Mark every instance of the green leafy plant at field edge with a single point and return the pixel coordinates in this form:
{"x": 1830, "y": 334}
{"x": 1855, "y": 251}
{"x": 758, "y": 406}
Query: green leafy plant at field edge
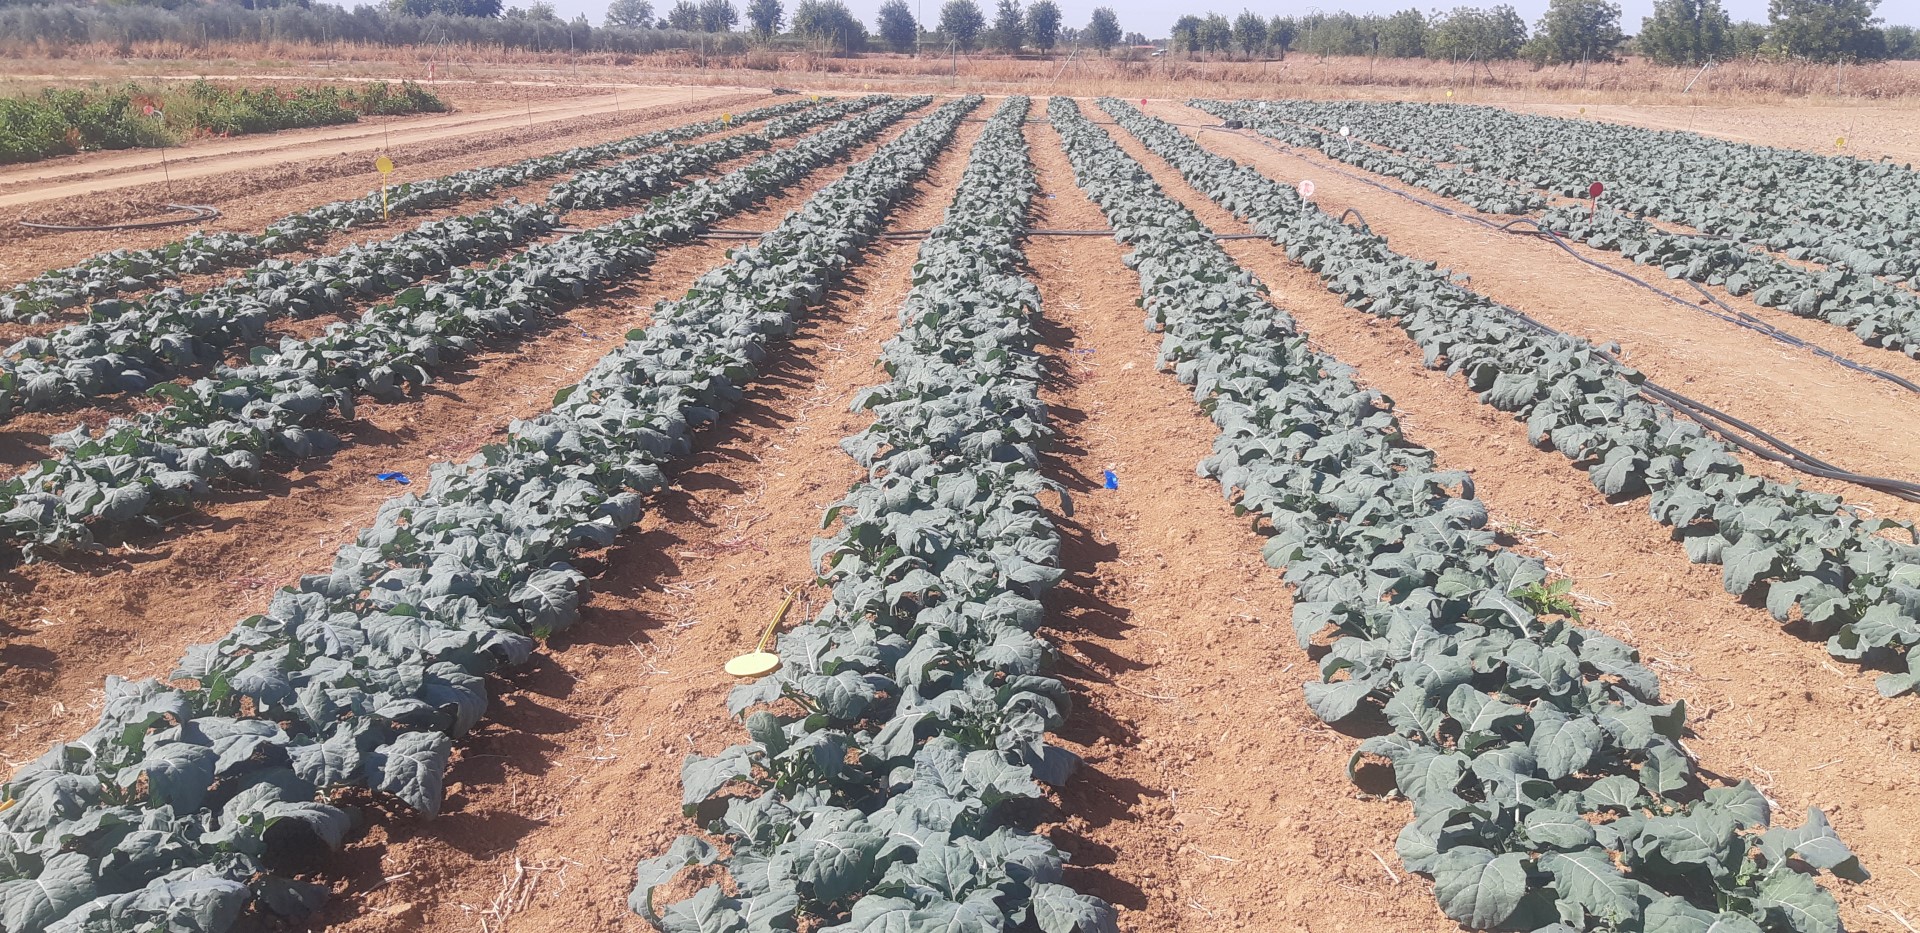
{"x": 60, "y": 121}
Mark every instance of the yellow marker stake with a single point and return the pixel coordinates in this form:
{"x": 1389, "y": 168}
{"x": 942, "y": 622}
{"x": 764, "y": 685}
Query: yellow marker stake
{"x": 1449, "y": 93}
{"x": 384, "y": 166}
{"x": 1841, "y": 142}
{"x": 726, "y": 119}
{"x": 761, "y": 661}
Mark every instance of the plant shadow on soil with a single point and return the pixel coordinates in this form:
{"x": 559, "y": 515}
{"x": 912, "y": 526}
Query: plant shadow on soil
{"x": 527, "y": 702}
{"x": 1075, "y": 607}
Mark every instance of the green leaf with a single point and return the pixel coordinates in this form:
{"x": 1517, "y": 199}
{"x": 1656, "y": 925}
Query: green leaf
{"x": 1477, "y": 888}
{"x": 1589, "y": 880}
{"x": 653, "y": 873}
{"x": 1815, "y": 843}
{"x": 1673, "y": 915}
{"x": 1559, "y": 829}
{"x": 64, "y": 883}
{"x": 1793, "y": 899}
{"x": 413, "y": 767}
{"x": 1060, "y": 909}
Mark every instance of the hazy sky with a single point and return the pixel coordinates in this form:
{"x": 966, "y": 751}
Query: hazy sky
{"x": 1154, "y": 18}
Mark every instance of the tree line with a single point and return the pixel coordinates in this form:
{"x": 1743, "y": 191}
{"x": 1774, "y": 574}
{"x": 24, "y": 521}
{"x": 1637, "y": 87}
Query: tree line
{"x": 963, "y": 25}
{"x": 1680, "y": 32}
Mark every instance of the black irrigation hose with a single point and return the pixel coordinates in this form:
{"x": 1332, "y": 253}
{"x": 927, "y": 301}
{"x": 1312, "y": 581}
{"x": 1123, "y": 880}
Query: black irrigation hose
{"x": 1754, "y": 440}
{"x": 1740, "y": 433}
{"x": 195, "y": 213}
{"x": 1726, "y": 313}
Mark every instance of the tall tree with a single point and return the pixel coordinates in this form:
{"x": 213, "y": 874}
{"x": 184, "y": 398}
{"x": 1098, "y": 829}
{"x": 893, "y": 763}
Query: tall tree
{"x": 718, "y": 16}
{"x": 896, "y": 25}
{"x": 1103, "y": 30}
{"x": 1404, "y": 35}
{"x": 830, "y": 21}
{"x": 1903, "y": 43}
{"x": 1282, "y": 31}
{"x": 961, "y": 22}
{"x": 1825, "y": 30}
{"x": 1685, "y": 32}
{"x": 1009, "y": 31}
{"x": 685, "y": 16}
{"x": 766, "y": 17}
{"x": 1043, "y": 24}
{"x": 1186, "y": 34}
{"x": 1746, "y": 39}
{"x": 1216, "y": 33}
{"x": 630, "y": 14}
{"x": 1338, "y": 34}
{"x": 1481, "y": 35}
{"x": 1250, "y": 30}
{"x": 1577, "y": 31}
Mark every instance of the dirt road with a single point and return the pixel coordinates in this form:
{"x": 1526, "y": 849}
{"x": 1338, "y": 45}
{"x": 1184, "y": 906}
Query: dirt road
{"x": 38, "y": 183}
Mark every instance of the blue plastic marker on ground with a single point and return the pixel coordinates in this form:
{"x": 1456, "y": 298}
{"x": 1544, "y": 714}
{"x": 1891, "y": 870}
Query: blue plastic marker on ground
{"x": 400, "y": 478}
{"x": 1112, "y": 481}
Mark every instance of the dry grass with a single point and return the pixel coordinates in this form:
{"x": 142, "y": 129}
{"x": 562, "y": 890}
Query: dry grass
{"x": 1634, "y": 82}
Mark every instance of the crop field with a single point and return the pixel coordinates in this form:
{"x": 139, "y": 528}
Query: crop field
{"x": 1174, "y": 516}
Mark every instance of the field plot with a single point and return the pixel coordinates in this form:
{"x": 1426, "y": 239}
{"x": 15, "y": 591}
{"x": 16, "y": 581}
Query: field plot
{"x": 1446, "y": 551}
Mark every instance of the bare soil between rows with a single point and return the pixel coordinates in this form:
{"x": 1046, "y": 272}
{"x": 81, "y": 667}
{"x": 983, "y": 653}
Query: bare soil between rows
{"x": 1211, "y": 798}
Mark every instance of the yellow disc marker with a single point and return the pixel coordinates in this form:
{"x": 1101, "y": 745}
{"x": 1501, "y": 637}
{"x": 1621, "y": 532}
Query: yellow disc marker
{"x": 384, "y": 166}
{"x": 1841, "y": 142}
{"x": 760, "y": 661}
{"x": 1449, "y": 93}
{"x": 1583, "y": 111}
{"x": 726, "y": 119}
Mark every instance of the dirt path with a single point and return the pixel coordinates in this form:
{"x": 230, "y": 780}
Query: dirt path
{"x": 38, "y": 183}
{"x": 1206, "y": 776}
{"x": 134, "y": 613}
{"x": 251, "y": 200}
{"x": 1766, "y": 705}
{"x": 1848, "y": 418}
{"x": 576, "y": 775}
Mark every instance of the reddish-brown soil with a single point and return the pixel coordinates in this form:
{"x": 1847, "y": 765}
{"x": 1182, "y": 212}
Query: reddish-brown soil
{"x": 1766, "y": 705}
{"x": 132, "y": 613}
{"x": 577, "y": 777}
{"x": 26, "y": 437}
{"x": 1211, "y": 799}
{"x": 1835, "y": 413}
{"x": 1207, "y": 780}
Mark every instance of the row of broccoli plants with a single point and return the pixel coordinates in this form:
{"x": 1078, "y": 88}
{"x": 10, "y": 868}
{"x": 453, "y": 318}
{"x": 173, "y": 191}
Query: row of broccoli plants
{"x": 888, "y": 753}
{"x": 127, "y": 346}
{"x": 1809, "y": 554}
{"x": 1432, "y": 172}
{"x": 119, "y": 271}
{"x": 1847, "y": 293}
{"x": 1832, "y": 209}
{"x": 225, "y": 426}
{"x": 173, "y": 812}
{"x": 1549, "y": 787}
